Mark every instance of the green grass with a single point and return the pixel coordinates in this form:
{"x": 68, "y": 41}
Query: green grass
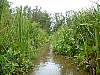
{"x": 79, "y": 36}
{"x": 19, "y": 41}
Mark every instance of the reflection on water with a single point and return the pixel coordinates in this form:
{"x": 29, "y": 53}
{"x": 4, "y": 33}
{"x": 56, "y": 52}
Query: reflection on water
{"x": 50, "y": 64}
{"x": 47, "y": 68}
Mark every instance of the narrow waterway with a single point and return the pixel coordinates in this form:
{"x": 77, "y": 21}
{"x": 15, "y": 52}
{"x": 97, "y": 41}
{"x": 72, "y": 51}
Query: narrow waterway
{"x": 50, "y": 64}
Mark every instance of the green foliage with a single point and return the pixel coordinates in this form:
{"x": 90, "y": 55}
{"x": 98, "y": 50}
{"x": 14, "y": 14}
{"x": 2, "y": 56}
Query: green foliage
{"x": 98, "y": 70}
{"x": 39, "y": 16}
{"x": 19, "y": 41}
{"x": 79, "y": 36}
{"x": 64, "y": 42}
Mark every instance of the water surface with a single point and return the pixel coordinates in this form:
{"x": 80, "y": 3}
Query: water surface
{"x": 50, "y": 64}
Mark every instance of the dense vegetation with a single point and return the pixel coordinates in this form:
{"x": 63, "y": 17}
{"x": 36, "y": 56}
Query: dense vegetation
{"x": 24, "y": 30}
{"x": 20, "y": 37}
{"x": 79, "y": 36}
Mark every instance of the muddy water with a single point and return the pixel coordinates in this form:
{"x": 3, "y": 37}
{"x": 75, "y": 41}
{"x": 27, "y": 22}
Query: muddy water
{"x": 50, "y": 64}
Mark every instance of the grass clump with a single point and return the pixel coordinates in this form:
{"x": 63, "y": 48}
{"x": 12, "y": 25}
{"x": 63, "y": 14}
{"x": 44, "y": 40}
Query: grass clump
{"x": 79, "y": 36}
{"x": 19, "y": 40}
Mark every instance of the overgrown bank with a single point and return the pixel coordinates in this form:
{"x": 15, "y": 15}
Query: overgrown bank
{"x": 79, "y": 37}
{"x": 20, "y": 38}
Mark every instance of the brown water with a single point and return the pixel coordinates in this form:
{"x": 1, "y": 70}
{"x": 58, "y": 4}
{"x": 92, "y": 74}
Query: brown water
{"x": 50, "y": 64}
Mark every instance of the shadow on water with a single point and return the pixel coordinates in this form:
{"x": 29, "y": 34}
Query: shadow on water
{"x": 50, "y": 64}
